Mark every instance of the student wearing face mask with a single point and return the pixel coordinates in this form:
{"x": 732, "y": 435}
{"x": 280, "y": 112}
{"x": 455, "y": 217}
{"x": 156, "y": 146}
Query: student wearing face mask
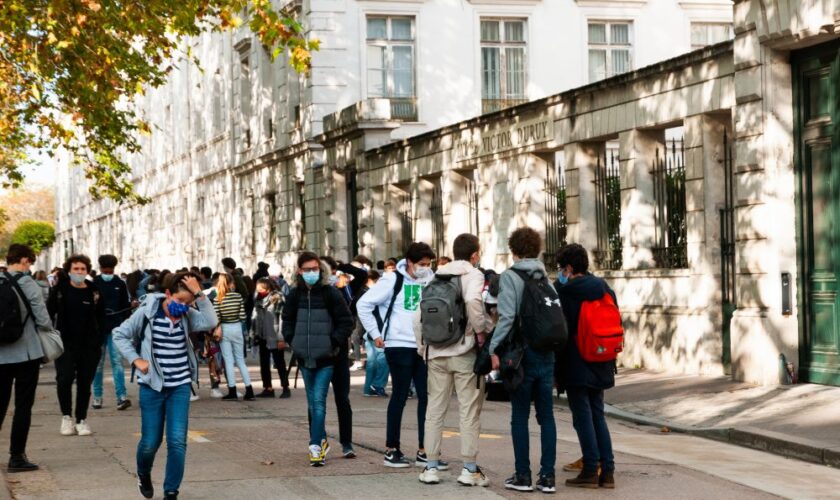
{"x": 116, "y": 307}
{"x": 156, "y": 341}
{"x": 73, "y": 307}
{"x": 387, "y": 313}
{"x": 268, "y": 304}
{"x": 316, "y": 322}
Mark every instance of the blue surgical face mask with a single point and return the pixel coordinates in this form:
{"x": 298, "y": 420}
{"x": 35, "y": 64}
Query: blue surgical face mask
{"x": 333, "y": 280}
{"x": 77, "y": 278}
{"x": 311, "y": 277}
{"x": 176, "y": 309}
{"x": 562, "y": 278}
{"x": 107, "y": 277}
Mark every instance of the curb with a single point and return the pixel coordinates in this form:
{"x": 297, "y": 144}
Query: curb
{"x": 747, "y": 437}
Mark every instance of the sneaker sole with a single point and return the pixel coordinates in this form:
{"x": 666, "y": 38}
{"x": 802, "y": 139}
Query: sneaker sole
{"x": 430, "y": 482}
{"x": 317, "y": 464}
{"x": 17, "y": 471}
{"x": 588, "y": 486}
{"x": 462, "y": 483}
{"x": 519, "y": 488}
{"x": 608, "y": 486}
{"x": 547, "y": 490}
{"x": 395, "y": 466}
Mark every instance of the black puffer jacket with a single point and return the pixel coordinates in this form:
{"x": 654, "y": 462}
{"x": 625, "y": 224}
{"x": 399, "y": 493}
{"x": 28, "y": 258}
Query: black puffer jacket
{"x": 316, "y": 322}
{"x": 575, "y": 371}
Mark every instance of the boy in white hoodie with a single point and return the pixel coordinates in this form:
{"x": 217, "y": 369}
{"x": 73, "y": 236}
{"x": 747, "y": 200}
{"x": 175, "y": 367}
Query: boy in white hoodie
{"x": 452, "y": 367}
{"x": 387, "y": 313}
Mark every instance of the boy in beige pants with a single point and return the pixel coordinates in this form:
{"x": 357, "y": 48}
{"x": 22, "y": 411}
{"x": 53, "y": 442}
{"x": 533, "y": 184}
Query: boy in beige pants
{"x": 452, "y": 367}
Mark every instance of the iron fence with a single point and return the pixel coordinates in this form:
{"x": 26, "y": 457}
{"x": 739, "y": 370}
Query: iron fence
{"x": 491, "y": 105}
{"x": 436, "y": 209}
{"x": 727, "y": 249}
{"x": 404, "y": 109}
{"x": 669, "y": 199}
{"x": 406, "y": 221}
{"x": 608, "y": 211}
{"x": 471, "y": 194}
{"x": 555, "y": 213}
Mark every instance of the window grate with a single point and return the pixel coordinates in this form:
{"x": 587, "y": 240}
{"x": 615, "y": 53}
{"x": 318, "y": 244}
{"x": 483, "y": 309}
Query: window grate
{"x": 608, "y": 211}
{"x": 436, "y": 209}
{"x": 555, "y": 213}
{"x": 406, "y": 222}
{"x": 669, "y": 198}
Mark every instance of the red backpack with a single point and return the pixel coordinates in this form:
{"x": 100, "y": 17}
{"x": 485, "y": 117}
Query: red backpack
{"x": 600, "y": 336}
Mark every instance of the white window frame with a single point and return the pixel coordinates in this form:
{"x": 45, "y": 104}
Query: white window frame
{"x": 503, "y": 44}
{"x": 707, "y": 25}
{"x": 609, "y": 46}
{"x": 388, "y": 44}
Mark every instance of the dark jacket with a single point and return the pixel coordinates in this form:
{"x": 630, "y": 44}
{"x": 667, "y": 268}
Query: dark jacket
{"x": 76, "y": 319}
{"x": 575, "y": 371}
{"x": 316, "y": 322}
{"x": 115, "y": 304}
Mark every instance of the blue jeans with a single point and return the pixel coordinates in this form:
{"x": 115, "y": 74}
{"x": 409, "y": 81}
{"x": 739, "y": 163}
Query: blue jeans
{"x": 376, "y": 368}
{"x": 233, "y": 352}
{"x": 317, "y": 382}
{"x": 587, "y": 407}
{"x": 406, "y": 366}
{"x": 117, "y": 371}
{"x": 536, "y": 386}
{"x": 169, "y": 409}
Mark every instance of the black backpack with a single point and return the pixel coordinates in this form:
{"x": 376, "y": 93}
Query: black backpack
{"x": 540, "y": 320}
{"x": 11, "y": 323}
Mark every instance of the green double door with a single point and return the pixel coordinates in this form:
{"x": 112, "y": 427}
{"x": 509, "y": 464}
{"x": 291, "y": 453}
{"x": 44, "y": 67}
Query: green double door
{"x": 816, "y": 74}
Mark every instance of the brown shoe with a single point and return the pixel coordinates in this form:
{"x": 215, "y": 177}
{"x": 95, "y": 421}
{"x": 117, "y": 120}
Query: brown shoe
{"x": 607, "y": 480}
{"x": 575, "y": 466}
{"x": 583, "y": 480}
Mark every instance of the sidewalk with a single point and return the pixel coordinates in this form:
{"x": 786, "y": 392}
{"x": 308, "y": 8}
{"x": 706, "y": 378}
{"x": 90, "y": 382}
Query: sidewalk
{"x": 797, "y": 421}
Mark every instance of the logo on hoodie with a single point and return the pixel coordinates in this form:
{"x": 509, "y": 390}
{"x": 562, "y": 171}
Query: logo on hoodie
{"x": 411, "y": 296}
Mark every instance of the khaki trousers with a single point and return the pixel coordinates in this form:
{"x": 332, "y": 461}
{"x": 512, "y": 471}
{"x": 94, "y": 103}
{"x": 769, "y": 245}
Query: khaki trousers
{"x": 446, "y": 374}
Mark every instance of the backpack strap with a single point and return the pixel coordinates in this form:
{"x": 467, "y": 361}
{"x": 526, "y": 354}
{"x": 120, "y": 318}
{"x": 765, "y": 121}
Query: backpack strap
{"x": 14, "y": 281}
{"x": 385, "y": 322}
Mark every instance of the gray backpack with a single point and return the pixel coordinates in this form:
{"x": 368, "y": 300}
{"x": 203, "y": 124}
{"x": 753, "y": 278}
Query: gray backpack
{"x": 442, "y": 312}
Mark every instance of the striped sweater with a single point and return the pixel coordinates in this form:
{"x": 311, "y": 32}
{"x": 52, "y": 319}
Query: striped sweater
{"x": 169, "y": 345}
{"x": 231, "y": 309}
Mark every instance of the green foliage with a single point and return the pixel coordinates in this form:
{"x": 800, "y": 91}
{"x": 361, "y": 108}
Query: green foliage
{"x": 70, "y": 69}
{"x": 36, "y": 234}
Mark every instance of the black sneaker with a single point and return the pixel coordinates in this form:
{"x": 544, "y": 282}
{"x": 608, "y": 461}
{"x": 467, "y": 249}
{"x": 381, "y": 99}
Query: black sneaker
{"x": 285, "y": 394}
{"x": 519, "y": 483}
{"x": 546, "y": 484}
{"x": 266, "y": 393}
{"x": 144, "y": 484}
{"x": 171, "y": 495}
{"x": 348, "y": 452}
{"x": 19, "y": 463}
{"x": 422, "y": 460}
{"x": 395, "y": 459}
{"x": 124, "y": 404}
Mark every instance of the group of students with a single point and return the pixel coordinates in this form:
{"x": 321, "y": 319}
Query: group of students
{"x": 164, "y": 324}
{"x": 394, "y": 316}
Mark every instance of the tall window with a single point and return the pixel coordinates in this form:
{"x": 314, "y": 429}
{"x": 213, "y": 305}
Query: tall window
{"x": 503, "y": 63}
{"x": 703, "y": 34}
{"x": 390, "y": 64}
{"x": 271, "y": 208}
{"x": 245, "y": 97}
{"x": 610, "y": 49}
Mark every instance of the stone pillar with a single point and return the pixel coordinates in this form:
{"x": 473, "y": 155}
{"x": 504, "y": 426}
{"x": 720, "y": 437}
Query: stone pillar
{"x": 581, "y": 158}
{"x": 765, "y": 207}
{"x": 637, "y": 156}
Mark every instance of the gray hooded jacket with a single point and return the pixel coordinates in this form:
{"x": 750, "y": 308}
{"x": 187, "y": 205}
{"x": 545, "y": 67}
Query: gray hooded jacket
{"x": 128, "y": 334}
{"x": 511, "y": 287}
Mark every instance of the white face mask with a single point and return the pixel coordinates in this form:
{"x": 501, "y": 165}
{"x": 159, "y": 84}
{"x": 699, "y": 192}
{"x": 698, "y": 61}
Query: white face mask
{"x": 423, "y": 273}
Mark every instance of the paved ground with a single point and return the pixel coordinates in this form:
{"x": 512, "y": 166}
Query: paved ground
{"x": 802, "y": 413}
{"x": 258, "y": 451}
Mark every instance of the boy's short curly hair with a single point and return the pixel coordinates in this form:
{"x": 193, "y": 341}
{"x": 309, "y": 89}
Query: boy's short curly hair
{"x": 525, "y": 243}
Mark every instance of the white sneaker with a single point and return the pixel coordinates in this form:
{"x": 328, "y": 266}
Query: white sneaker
{"x": 316, "y": 459}
{"x": 97, "y": 403}
{"x": 194, "y": 397}
{"x": 476, "y": 478}
{"x": 358, "y": 365}
{"x": 67, "y": 426}
{"x": 83, "y": 429}
{"x": 429, "y": 476}
{"x": 215, "y": 393}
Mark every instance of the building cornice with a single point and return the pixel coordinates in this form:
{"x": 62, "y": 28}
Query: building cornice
{"x": 633, "y": 4}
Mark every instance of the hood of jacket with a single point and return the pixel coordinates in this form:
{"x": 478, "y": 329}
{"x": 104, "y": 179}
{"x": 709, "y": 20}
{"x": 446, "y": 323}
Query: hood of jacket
{"x": 455, "y": 268}
{"x": 534, "y": 267}
{"x": 584, "y": 288}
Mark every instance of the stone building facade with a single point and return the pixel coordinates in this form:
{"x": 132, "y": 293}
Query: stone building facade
{"x": 720, "y": 245}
